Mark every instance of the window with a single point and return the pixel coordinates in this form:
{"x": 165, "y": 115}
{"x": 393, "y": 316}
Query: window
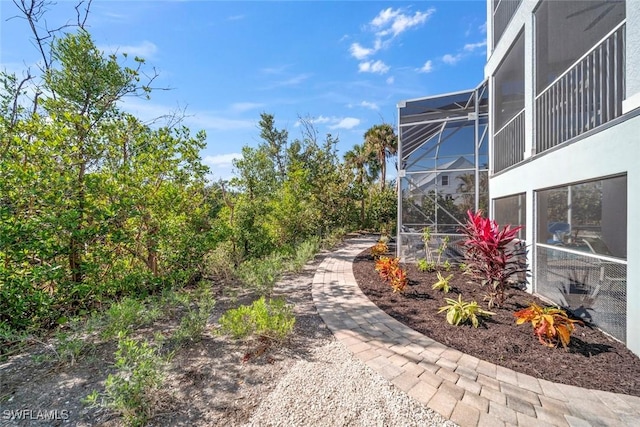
{"x": 511, "y": 210}
{"x": 582, "y": 246}
{"x": 445, "y": 180}
{"x": 589, "y": 216}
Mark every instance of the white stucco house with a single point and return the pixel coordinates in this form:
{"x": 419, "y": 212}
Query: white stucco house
{"x": 558, "y": 119}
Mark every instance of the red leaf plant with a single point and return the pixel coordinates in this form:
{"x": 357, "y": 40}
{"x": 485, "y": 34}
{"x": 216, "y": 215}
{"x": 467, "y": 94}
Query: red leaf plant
{"x": 390, "y": 271}
{"x": 385, "y": 267}
{"x": 491, "y": 255}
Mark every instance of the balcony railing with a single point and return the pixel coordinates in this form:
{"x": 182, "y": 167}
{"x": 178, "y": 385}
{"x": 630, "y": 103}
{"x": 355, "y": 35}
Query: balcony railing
{"x": 587, "y": 95}
{"x": 503, "y": 11}
{"x": 508, "y": 143}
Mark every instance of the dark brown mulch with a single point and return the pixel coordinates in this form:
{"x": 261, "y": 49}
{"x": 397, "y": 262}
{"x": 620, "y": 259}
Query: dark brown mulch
{"x": 593, "y": 360}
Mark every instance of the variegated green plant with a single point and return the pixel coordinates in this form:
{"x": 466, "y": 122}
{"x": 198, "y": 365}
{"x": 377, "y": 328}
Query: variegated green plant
{"x": 443, "y": 283}
{"x": 459, "y": 312}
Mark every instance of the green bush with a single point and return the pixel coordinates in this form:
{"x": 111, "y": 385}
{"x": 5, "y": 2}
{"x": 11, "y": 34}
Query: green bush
{"x": 194, "y": 323}
{"x": 124, "y": 316}
{"x": 131, "y": 389}
{"x": 262, "y": 274}
{"x": 271, "y": 319}
{"x": 302, "y": 254}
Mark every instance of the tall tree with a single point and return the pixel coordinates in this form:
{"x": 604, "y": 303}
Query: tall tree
{"x": 383, "y": 142}
{"x": 363, "y": 163}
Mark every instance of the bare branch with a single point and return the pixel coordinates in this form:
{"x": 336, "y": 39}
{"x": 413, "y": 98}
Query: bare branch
{"x": 82, "y": 15}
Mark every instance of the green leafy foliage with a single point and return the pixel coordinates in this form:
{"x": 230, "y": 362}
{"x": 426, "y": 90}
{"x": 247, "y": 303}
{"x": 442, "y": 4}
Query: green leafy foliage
{"x": 459, "y": 312}
{"x": 443, "y": 283}
{"x": 425, "y": 266}
{"x": 551, "y": 325}
{"x": 272, "y": 319}
{"x": 193, "y": 323}
{"x": 131, "y": 390}
{"x": 123, "y": 317}
{"x": 94, "y": 204}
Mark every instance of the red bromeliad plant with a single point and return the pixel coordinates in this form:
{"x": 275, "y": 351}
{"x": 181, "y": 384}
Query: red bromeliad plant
{"x": 490, "y": 254}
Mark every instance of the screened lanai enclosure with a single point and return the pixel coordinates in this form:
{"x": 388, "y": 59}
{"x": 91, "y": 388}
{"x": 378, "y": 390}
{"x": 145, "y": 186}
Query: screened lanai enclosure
{"x": 443, "y": 168}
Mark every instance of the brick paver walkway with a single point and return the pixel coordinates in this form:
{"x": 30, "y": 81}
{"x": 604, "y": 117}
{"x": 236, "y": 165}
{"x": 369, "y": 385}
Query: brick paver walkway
{"x": 465, "y": 389}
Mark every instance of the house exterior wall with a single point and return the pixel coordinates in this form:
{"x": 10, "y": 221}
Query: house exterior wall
{"x": 610, "y": 150}
{"x": 632, "y": 100}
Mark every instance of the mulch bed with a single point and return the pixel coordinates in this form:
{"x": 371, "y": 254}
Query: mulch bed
{"x": 593, "y": 360}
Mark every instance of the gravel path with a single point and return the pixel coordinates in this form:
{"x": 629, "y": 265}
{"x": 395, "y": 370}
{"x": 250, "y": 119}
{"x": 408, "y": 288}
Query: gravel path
{"x": 335, "y": 389}
{"x": 330, "y": 387}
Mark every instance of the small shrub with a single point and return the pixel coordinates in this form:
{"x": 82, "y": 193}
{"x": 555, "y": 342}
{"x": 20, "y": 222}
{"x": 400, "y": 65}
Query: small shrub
{"x": 459, "y": 312}
{"x": 271, "y": 319}
{"x": 443, "y": 283}
{"x": 379, "y": 249}
{"x": 442, "y": 248}
{"x": 262, "y": 274}
{"x": 131, "y": 389}
{"x": 398, "y": 280}
{"x": 194, "y": 323}
{"x": 446, "y": 265}
{"x": 124, "y": 316}
{"x": 426, "y": 238}
{"x": 302, "y": 254}
{"x": 551, "y": 325}
{"x": 425, "y": 266}
{"x": 70, "y": 347}
{"x": 390, "y": 271}
{"x": 489, "y": 255}
{"x": 385, "y": 266}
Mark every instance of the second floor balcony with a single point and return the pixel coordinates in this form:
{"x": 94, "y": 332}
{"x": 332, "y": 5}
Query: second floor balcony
{"x": 579, "y": 78}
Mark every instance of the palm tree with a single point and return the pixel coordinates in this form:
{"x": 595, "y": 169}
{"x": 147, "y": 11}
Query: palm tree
{"x": 383, "y": 142}
{"x": 363, "y": 162}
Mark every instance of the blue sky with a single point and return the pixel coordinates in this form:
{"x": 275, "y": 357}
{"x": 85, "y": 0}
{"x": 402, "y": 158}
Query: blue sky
{"x": 344, "y": 64}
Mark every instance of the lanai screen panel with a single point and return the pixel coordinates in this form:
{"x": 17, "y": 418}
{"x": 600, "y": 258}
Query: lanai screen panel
{"x": 442, "y": 152}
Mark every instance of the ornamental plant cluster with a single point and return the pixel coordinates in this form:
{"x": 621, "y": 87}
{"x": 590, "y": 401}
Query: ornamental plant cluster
{"x": 493, "y": 258}
{"x": 491, "y": 255}
{"x": 551, "y": 325}
{"x": 391, "y": 272}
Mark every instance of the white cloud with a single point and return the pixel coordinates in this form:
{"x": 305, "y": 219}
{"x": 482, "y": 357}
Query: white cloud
{"x": 483, "y": 28}
{"x": 470, "y": 47}
{"x": 391, "y": 80}
{"x": 241, "y": 107}
{"x": 377, "y": 67}
{"x": 346, "y": 123}
{"x": 292, "y": 81}
{"x": 333, "y": 122}
{"x": 221, "y": 160}
{"x": 235, "y": 18}
{"x": 221, "y": 166}
{"x": 148, "y": 112}
{"x": 317, "y": 120}
{"x": 359, "y": 52}
{"x": 146, "y": 49}
{"x": 371, "y": 105}
{"x": 451, "y": 59}
{"x": 206, "y": 120}
{"x": 394, "y": 22}
{"x": 427, "y": 67}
